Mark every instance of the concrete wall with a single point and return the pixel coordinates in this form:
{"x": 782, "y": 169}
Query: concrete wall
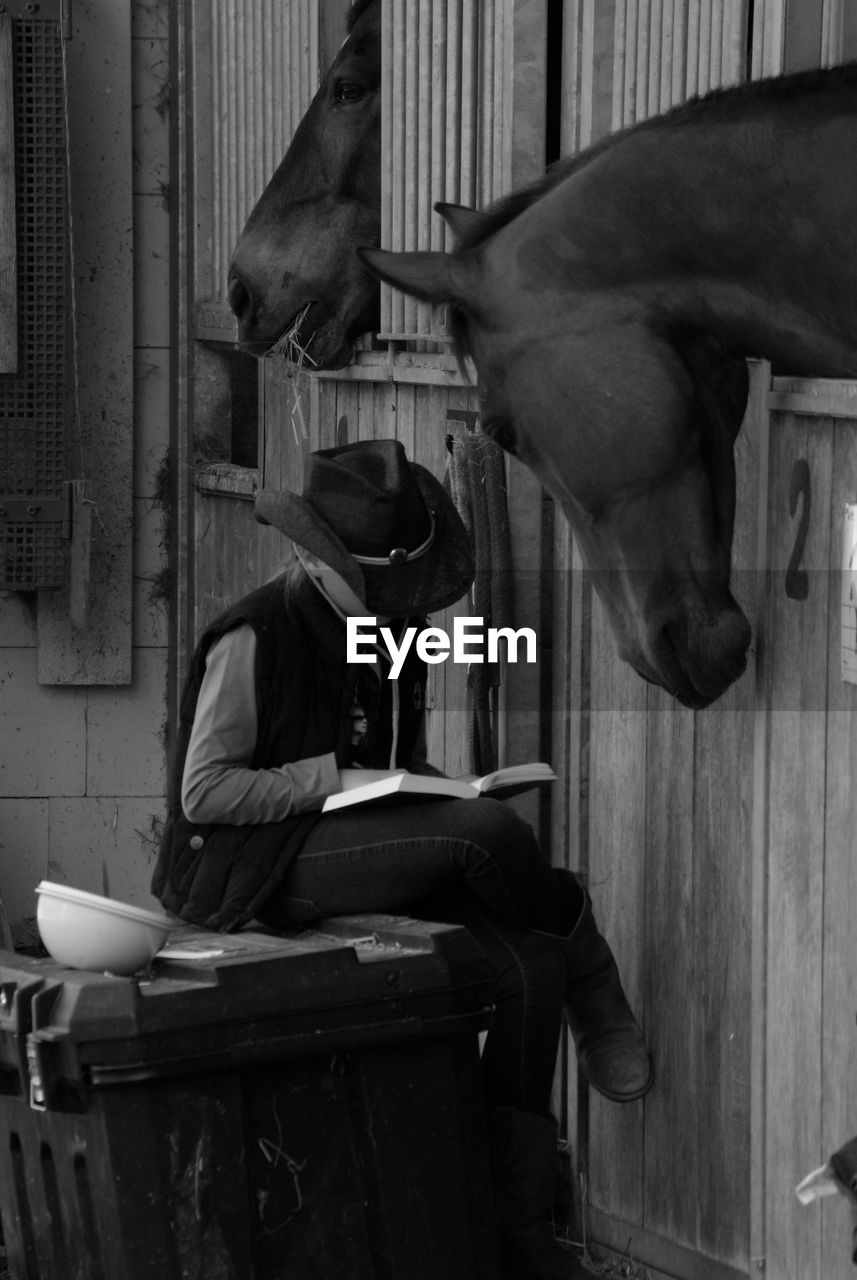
{"x": 82, "y": 768}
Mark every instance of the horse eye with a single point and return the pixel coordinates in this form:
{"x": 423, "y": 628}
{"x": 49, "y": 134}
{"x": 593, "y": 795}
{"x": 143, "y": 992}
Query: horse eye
{"x": 348, "y": 91}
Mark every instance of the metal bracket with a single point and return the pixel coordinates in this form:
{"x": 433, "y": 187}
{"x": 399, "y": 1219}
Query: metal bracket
{"x": 41, "y": 10}
{"x": 36, "y": 509}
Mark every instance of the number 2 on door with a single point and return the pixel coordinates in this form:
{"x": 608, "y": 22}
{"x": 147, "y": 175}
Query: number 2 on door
{"x": 797, "y": 579}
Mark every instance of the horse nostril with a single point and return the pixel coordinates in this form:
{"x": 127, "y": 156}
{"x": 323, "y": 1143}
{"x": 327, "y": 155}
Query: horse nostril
{"x": 240, "y": 299}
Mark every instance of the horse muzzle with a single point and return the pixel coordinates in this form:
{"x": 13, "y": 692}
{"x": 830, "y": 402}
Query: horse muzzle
{"x": 696, "y": 660}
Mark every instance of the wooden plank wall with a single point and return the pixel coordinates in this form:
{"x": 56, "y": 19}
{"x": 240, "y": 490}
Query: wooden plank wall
{"x": 720, "y": 852}
{"x": 719, "y": 846}
{"x": 666, "y": 847}
{"x": 811, "y": 1083}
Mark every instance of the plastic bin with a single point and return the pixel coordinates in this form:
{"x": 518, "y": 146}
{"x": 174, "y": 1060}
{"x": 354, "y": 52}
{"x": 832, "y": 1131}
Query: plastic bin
{"x": 259, "y": 1107}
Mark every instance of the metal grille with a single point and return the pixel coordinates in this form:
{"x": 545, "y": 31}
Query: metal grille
{"x": 32, "y": 401}
{"x": 447, "y": 66}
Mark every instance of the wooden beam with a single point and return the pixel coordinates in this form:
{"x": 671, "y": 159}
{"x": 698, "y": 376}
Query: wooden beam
{"x": 99, "y": 90}
{"x": 8, "y": 229}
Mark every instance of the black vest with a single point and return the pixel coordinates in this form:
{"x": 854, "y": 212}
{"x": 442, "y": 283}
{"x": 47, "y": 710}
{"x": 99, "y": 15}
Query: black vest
{"x": 221, "y": 876}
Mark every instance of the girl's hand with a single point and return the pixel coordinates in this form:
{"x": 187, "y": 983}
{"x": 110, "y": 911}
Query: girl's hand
{"x": 351, "y": 778}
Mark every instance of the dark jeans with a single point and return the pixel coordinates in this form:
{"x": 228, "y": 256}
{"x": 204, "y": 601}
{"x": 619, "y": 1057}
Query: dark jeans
{"x": 473, "y": 862}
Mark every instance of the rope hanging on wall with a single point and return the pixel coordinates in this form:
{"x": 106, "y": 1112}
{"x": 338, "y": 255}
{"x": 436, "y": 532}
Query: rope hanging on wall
{"x": 477, "y": 480}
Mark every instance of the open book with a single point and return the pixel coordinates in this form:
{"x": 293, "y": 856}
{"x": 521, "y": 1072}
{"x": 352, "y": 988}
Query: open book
{"x": 420, "y": 786}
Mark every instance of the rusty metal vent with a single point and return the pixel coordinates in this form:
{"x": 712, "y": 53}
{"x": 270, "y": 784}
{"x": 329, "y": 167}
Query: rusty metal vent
{"x": 32, "y": 401}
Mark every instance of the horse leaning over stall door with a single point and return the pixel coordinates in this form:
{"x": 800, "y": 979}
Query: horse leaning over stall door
{"x": 294, "y": 269}
{"x": 609, "y": 309}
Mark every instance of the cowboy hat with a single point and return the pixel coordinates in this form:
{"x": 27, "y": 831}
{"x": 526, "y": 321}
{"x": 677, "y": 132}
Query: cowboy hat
{"x": 384, "y": 524}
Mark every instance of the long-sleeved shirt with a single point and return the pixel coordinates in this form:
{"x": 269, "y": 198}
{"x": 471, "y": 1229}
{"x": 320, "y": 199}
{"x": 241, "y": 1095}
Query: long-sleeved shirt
{"x": 218, "y": 784}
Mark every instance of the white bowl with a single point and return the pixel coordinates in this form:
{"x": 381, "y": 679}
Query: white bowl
{"x": 85, "y": 931}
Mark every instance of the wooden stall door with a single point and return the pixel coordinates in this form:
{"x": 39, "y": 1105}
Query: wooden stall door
{"x": 738, "y": 968}
{"x": 659, "y": 803}
{"x": 810, "y": 1079}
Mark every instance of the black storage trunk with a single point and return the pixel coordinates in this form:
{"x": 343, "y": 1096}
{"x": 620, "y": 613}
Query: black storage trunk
{"x": 305, "y": 1107}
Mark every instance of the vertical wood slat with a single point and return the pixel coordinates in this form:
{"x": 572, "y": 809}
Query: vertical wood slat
{"x": 238, "y": 130}
{"x": 440, "y": 142}
{"x": 678, "y": 53}
{"x": 484, "y": 100}
{"x": 577, "y": 76}
{"x": 8, "y": 221}
{"x": 768, "y": 49}
{"x": 671, "y": 1006}
{"x": 272, "y": 25}
{"x": 795, "y": 834}
{"x": 494, "y": 133}
{"x": 703, "y": 61}
{"x": 617, "y": 822}
{"x": 694, "y": 27}
{"x": 839, "y": 1043}
{"x": 735, "y": 43}
{"x": 426, "y": 143}
{"x": 757, "y": 420}
{"x": 641, "y": 97}
{"x": 411, "y": 27}
{"x": 620, "y": 57}
{"x": 667, "y": 35}
{"x": 387, "y": 143}
{"x": 832, "y": 32}
{"x": 469, "y": 89}
{"x": 453, "y": 102}
{"x": 628, "y": 101}
{"x": 656, "y": 58}
{"x": 572, "y": 97}
{"x": 397, "y": 163}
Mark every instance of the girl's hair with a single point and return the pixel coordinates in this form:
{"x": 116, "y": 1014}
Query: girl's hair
{"x": 292, "y": 572}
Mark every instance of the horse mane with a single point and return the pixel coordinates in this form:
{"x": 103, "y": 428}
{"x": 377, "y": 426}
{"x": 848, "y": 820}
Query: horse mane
{"x": 355, "y": 13}
{"x": 719, "y": 105}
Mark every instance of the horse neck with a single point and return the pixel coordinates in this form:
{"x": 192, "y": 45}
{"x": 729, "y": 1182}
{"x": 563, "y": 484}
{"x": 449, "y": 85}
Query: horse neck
{"x": 741, "y": 227}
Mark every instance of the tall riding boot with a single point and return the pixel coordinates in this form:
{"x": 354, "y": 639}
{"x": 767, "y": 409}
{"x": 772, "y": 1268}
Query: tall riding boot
{"x": 611, "y": 1051}
{"x": 524, "y": 1155}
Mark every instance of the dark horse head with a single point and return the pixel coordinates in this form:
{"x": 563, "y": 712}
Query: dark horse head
{"x": 295, "y": 258}
{"x": 609, "y": 309}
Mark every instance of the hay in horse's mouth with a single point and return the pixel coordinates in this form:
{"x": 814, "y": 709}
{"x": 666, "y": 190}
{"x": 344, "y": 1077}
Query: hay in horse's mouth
{"x": 289, "y": 346}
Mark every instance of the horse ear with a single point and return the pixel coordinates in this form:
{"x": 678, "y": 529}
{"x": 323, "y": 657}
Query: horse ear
{"x": 427, "y": 276}
{"x": 458, "y": 217}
